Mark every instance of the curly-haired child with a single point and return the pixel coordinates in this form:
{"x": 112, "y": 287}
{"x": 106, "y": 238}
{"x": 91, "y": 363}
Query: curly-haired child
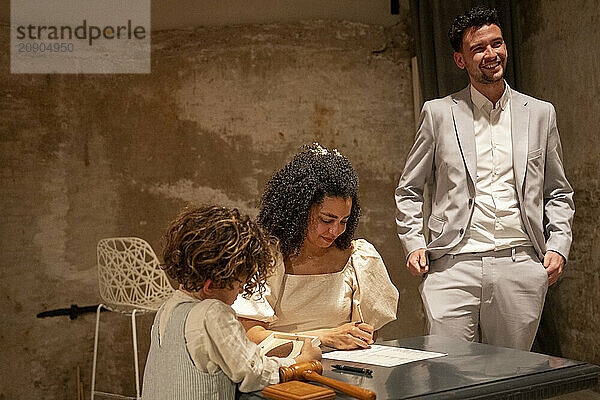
{"x": 198, "y": 348}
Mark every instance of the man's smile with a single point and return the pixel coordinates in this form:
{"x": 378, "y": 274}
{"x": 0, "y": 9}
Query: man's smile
{"x": 493, "y": 65}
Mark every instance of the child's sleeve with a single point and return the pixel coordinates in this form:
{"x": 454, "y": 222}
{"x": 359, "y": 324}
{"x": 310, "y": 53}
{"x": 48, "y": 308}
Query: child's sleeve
{"x": 227, "y": 346}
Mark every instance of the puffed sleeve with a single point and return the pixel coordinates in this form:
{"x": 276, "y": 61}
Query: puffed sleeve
{"x": 377, "y": 294}
{"x": 261, "y": 308}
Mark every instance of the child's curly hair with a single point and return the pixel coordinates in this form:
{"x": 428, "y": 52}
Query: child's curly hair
{"x": 313, "y": 174}
{"x": 219, "y": 244}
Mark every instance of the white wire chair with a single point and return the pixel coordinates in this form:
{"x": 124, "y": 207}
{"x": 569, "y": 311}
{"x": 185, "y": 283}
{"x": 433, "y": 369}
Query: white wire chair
{"x": 130, "y": 281}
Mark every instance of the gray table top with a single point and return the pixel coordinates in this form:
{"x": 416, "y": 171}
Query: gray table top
{"x": 470, "y": 370}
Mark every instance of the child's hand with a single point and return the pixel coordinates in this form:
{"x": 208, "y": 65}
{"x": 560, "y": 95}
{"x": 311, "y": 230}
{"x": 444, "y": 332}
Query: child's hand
{"x": 308, "y": 352}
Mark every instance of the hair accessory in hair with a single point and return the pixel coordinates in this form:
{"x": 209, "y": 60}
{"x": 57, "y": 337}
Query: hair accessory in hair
{"x": 318, "y": 149}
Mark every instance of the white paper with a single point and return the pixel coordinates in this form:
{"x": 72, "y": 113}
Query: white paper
{"x": 385, "y": 356}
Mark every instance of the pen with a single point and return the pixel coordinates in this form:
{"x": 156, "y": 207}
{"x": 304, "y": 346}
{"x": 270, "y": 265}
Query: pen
{"x": 365, "y": 371}
{"x": 360, "y": 315}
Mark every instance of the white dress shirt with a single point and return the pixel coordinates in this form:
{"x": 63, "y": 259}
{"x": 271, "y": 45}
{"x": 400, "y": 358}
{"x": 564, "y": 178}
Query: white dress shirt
{"x": 496, "y": 221}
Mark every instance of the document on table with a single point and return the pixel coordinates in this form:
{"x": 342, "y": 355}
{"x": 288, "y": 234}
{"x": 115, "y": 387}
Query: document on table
{"x": 385, "y": 356}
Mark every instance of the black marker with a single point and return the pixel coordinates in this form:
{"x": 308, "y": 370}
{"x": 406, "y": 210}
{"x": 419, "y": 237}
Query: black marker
{"x": 364, "y": 371}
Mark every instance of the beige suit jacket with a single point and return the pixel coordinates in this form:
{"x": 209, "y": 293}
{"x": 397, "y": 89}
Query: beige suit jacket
{"x": 444, "y": 153}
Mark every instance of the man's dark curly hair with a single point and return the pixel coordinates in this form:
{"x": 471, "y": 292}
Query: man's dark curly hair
{"x": 219, "y": 244}
{"x": 476, "y": 16}
{"x": 313, "y": 174}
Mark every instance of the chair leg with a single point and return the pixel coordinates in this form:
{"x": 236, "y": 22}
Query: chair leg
{"x": 135, "y": 355}
{"x": 98, "y": 311}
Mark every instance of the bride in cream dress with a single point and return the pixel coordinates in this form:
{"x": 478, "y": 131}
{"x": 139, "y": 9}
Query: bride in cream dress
{"x": 325, "y": 284}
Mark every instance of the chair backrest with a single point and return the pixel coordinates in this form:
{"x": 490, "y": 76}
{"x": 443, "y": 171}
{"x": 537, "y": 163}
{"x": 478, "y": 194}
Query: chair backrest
{"x": 129, "y": 274}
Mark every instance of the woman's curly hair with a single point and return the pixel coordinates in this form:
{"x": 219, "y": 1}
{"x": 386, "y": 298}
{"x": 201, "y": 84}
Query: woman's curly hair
{"x": 219, "y": 244}
{"x": 313, "y": 174}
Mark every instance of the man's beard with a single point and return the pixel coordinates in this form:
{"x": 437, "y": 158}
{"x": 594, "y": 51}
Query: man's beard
{"x": 484, "y": 79}
{"x": 488, "y": 79}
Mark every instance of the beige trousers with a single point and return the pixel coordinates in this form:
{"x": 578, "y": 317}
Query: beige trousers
{"x": 493, "y": 297}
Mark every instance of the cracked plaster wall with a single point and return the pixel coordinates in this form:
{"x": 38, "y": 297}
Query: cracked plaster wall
{"x": 557, "y": 64}
{"x": 91, "y": 156}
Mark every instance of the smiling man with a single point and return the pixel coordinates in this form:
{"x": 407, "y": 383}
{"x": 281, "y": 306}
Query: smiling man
{"x": 494, "y": 159}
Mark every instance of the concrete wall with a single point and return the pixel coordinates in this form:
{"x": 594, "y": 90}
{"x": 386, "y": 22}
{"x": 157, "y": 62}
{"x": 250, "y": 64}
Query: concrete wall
{"x": 86, "y": 157}
{"x": 557, "y": 56}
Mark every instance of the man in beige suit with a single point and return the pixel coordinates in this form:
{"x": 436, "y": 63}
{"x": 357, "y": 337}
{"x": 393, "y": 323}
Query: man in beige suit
{"x": 494, "y": 159}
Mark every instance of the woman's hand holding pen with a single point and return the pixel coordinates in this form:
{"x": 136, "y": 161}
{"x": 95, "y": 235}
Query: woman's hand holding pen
{"x": 348, "y": 336}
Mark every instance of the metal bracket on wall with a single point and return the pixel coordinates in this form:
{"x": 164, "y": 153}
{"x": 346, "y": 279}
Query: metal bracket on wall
{"x": 72, "y": 312}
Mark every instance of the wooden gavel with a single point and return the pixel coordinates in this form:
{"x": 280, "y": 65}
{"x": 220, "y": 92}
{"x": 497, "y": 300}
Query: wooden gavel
{"x": 311, "y": 371}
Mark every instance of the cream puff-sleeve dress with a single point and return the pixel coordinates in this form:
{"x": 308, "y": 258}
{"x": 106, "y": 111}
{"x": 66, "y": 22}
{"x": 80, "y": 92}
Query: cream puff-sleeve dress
{"x": 296, "y": 303}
